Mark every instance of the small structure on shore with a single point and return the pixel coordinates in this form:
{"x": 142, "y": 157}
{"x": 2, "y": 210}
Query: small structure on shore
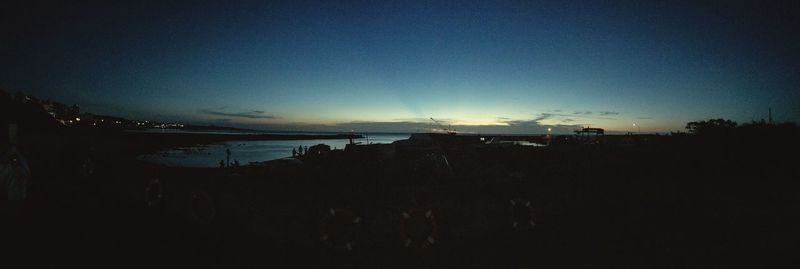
{"x": 318, "y": 149}
{"x": 590, "y": 131}
{"x": 589, "y": 135}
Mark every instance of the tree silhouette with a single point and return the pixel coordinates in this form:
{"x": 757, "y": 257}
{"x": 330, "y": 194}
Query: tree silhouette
{"x": 73, "y": 112}
{"x": 60, "y": 110}
{"x": 711, "y": 126}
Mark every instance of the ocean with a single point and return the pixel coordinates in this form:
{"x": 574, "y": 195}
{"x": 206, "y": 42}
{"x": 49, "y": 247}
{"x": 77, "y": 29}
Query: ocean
{"x": 252, "y": 151}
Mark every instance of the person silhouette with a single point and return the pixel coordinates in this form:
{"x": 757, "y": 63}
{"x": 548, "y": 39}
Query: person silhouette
{"x": 228, "y": 154}
{"x": 14, "y": 171}
{"x": 294, "y": 152}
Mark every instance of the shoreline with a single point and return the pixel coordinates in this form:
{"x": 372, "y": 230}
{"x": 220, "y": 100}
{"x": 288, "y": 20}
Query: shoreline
{"x": 240, "y": 137}
{"x": 137, "y": 143}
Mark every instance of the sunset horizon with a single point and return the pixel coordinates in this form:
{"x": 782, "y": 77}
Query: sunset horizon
{"x": 509, "y": 67}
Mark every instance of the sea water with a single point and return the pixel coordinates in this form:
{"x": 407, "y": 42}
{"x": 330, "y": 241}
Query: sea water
{"x": 252, "y": 151}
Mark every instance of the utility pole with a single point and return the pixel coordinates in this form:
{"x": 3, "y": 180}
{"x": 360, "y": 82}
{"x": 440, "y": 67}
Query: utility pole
{"x": 770, "y": 116}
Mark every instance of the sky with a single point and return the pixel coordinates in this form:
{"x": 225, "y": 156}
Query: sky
{"x": 483, "y": 66}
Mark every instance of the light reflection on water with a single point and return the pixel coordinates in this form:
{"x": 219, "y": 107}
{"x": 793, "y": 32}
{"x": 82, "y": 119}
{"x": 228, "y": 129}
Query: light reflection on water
{"x": 250, "y": 151}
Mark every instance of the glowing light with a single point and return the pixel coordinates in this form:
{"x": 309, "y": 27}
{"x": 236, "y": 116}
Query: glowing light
{"x": 78, "y": 119}
{"x": 549, "y": 129}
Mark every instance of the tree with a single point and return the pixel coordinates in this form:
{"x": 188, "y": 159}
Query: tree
{"x": 712, "y": 126}
{"x": 73, "y": 112}
{"x": 60, "y": 110}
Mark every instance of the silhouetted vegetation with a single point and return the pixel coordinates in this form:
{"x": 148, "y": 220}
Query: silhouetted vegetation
{"x": 640, "y": 202}
{"x": 724, "y": 132}
{"x": 711, "y": 126}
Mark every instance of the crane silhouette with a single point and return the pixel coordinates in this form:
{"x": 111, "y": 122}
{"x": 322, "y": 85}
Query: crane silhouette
{"x": 449, "y": 131}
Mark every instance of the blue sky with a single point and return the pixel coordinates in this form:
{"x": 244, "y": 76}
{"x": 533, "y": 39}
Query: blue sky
{"x": 510, "y": 66}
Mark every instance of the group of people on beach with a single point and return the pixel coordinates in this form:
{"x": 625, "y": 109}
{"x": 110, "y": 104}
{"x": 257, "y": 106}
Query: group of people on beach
{"x": 299, "y": 151}
{"x": 223, "y": 163}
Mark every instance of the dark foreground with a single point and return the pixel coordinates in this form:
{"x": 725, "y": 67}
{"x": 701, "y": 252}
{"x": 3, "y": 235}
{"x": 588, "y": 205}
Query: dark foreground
{"x": 664, "y": 203}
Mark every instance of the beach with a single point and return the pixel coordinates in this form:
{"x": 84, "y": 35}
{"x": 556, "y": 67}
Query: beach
{"x": 617, "y": 204}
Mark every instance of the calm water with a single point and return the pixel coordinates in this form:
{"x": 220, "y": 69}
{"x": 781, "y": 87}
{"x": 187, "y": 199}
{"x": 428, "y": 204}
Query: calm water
{"x": 250, "y": 151}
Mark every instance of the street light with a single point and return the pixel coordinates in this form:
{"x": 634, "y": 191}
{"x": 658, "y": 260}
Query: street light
{"x": 638, "y": 129}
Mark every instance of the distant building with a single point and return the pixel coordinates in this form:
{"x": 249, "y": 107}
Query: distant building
{"x": 589, "y": 135}
{"x": 590, "y": 131}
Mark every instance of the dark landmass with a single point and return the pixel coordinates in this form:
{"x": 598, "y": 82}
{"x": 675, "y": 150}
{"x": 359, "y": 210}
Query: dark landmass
{"x": 716, "y": 198}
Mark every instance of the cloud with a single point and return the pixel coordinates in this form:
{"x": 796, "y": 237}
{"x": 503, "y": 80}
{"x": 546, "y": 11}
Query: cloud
{"x": 253, "y": 114}
{"x": 414, "y": 120}
{"x": 543, "y": 116}
{"x": 560, "y": 123}
{"x": 530, "y": 126}
{"x": 517, "y": 123}
{"x": 567, "y": 120}
{"x": 532, "y": 122}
